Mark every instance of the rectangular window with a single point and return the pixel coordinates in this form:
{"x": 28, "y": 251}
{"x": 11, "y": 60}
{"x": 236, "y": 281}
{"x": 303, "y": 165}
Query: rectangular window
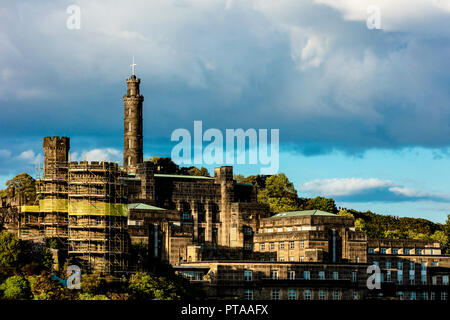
{"x": 248, "y": 246}
{"x": 281, "y": 245}
{"x": 401, "y": 296}
{"x": 383, "y": 250}
{"x": 400, "y": 265}
{"x": 248, "y": 275}
{"x": 302, "y": 258}
{"x": 435, "y": 263}
{"x": 129, "y": 126}
{"x": 272, "y": 246}
{"x": 306, "y": 275}
{"x": 291, "y": 258}
{"x": 281, "y": 259}
{"x": 444, "y": 295}
{"x": 335, "y": 275}
{"x": 307, "y": 294}
{"x": 322, "y": 275}
{"x": 291, "y": 274}
{"x": 371, "y": 250}
{"x": 321, "y": 295}
{"x": 433, "y": 295}
{"x": 399, "y": 276}
{"x": 445, "y": 280}
{"x": 280, "y": 230}
{"x": 354, "y": 276}
{"x": 355, "y": 295}
{"x": 262, "y": 246}
{"x": 395, "y": 251}
{"x": 412, "y": 295}
{"x": 407, "y": 251}
{"x": 276, "y": 294}
{"x": 388, "y": 276}
{"x": 248, "y": 294}
{"x": 423, "y": 278}
{"x": 292, "y": 294}
{"x": 434, "y": 280}
{"x": 302, "y": 244}
{"x": 289, "y": 229}
{"x": 388, "y": 264}
{"x": 274, "y": 274}
{"x": 418, "y": 251}
{"x": 270, "y": 230}
{"x": 424, "y": 295}
{"x": 411, "y": 265}
{"x": 291, "y": 245}
{"x": 336, "y": 295}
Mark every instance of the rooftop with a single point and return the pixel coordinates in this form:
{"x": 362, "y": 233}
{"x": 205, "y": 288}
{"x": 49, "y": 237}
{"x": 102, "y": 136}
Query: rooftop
{"x": 143, "y": 206}
{"x": 303, "y": 213}
{"x": 160, "y": 175}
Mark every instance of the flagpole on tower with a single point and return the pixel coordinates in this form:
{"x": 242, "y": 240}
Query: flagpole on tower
{"x": 133, "y": 65}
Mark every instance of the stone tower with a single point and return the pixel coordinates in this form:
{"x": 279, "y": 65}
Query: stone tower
{"x": 133, "y": 147}
{"x": 56, "y": 156}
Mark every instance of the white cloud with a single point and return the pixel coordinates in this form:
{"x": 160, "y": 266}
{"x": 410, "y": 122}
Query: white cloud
{"x": 373, "y": 190}
{"x": 399, "y": 15}
{"x": 343, "y": 186}
{"x": 105, "y": 154}
{"x": 30, "y": 157}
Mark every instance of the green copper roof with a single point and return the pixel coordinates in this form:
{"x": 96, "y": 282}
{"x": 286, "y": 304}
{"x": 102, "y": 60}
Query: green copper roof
{"x": 143, "y": 206}
{"x": 303, "y": 213}
{"x": 160, "y": 175}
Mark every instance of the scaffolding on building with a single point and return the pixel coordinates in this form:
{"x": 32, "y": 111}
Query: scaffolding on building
{"x": 97, "y": 214}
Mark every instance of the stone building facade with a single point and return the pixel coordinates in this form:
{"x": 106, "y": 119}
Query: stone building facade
{"x": 213, "y": 230}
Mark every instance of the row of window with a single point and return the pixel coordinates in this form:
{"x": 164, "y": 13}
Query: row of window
{"x": 406, "y": 251}
{"x": 412, "y": 265}
{"x": 294, "y": 294}
{"x": 424, "y": 296}
{"x": 281, "y": 245}
{"x": 288, "y": 229}
{"x": 291, "y": 275}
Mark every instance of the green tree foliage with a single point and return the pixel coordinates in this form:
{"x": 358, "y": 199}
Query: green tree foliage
{"x": 10, "y": 249}
{"x": 24, "y": 186}
{"x": 279, "y": 193}
{"x": 345, "y": 213}
{"x": 147, "y": 287}
{"x": 43, "y": 287}
{"x": 167, "y": 166}
{"x": 321, "y": 203}
{"x": 90, "y": 296}
{"x": 360, "y": 225}
{"x": 92, "y": 283}
{"x": 16, "y": 287}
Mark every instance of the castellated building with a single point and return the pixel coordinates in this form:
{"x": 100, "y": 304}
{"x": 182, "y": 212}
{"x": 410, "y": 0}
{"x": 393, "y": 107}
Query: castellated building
{"x": 213, "y": 231}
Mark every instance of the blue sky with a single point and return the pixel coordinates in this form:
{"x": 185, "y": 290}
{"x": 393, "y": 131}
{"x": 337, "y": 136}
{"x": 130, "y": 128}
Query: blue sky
{"x": 364, "y": 115}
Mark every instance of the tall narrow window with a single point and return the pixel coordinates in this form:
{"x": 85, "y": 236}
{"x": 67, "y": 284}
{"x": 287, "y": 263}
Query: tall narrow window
{"x": 129, "y": 126}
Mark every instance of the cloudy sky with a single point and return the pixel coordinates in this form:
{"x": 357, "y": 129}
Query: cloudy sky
{"x": 364, "y": 114}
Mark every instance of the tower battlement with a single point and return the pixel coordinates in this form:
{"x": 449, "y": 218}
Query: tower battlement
{"x": 54, "y": 142}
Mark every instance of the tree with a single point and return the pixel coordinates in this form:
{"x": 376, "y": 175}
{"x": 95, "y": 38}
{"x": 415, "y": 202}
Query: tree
{"x": 16, "y": 287}
{"x": 321, "y": 203}
{"x": 279, "y": 193}
{"x": 360, "y": 225}
{"x": 146, "y": 287}
{"x": 90, "y": 296}
{"x": 91, "y": 283}
{"x": 440, "y": 236}
{"x": 43, "y": 287}
{"x": 165, "y": 165}
{"x": 24, "y": 185}
{"x": 345, "y": 213}
{"x": 10, "y": 249}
